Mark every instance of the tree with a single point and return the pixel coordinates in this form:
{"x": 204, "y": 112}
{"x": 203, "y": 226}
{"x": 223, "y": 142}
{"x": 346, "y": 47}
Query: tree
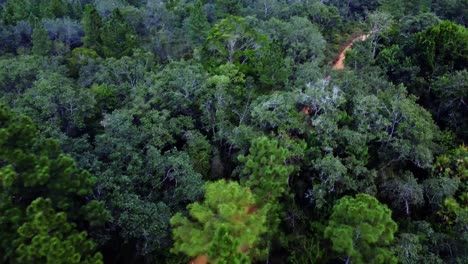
{"x": 178, "y": 87}
{"x": 92, "y": 26}
{"x": 118, "y": 37}
{"x": 200, "y": 152}
{"x": 15, "y": 11}
{"x": 19, "y": 74}
{"x": 299, "y": 38}
{"x": 442, "y": 48}
{"x": 80, "y": 57}
{"x": 227, "y": 223}
{"x": 266, "y": 169}
{"x": 322, "y": 103}
{"x": 414, "y": 24}
{"x": 43, "y": 199}
{"x": 439, "y": 188}
{"x": 41, "y": 42}
{"x": 376, "y": 24}
{"x": 226, "y": 248}
{"x": 403, "y": 130}
{"x": 400, "y": 9}
{"x": 409, "y": 249}
{"x": 265, "y": 9}
{"x": 449, "y": 177}
{"x": 404, "y": 192}
{"x": 225, "y": 102}
{"x": 272, "y": 69}
{"x": 276, "y": 112}
{"x": 361, "y": 229}
{"x": 65, "y": 30}
{"x": 332, "y": 178}
{"x": 228, "y": 7}
{"x": 57, "y": 105}
{"x": 197, "y": 23}
{"x": 142, "y": 174}
{"x": 453, "y": 164}
{"x": 454, "y": 212}
{"x": 453, "y": 10}
{"x": 267, "y": 174}
{"x": 449, "y": 106}
{"x": 232, "y": 40}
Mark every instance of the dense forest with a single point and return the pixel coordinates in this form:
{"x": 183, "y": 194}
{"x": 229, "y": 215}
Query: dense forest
{"x": 232, "y": 131}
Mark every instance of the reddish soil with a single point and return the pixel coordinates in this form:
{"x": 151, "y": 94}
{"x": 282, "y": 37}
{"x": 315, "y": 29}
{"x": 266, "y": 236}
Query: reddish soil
{"x": 199, "y": 260}
{"x": 338, "y": 64}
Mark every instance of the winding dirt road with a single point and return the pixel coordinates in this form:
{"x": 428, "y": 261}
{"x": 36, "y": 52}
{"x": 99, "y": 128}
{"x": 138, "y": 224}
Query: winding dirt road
{"x": 339, "y": 63}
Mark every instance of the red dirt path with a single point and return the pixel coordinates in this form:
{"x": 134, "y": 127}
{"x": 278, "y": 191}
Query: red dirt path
{"x": 339, "y": 62}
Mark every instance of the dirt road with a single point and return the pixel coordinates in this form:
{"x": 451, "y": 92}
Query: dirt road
{"x": 339, "y": 63}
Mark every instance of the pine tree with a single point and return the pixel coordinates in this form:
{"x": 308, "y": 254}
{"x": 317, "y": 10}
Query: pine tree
{"x": 226, "y": 223}
{"x": 360, "y": 229}
{"x": 266, "y": 169}
{"x": 118, "y": 37}
{"x": 15, "y": 10}
{"x": 42, "y": 199}
{"x": 58, "y": 8}
{"x": 267, "y": 174}
{"x": 198, "y": 23}
{"x": 92, "y": 26}
{"x": 40, "y": 41}
{"x": 226, "y": 248}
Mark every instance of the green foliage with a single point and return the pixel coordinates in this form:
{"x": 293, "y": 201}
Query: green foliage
{"x": 390, "y": 58}
{"x": 155, "y": 97}
{"x": 199, "y": 150}
{"x": 118, "y": 37}
{"x": 42, "y": 192}
{"x": 92, "y": 26}
{"x": 403, "y": 191}
{"x": 361, "y": 229}
{"x": 273, "y": 71}
{"x": 19, "y": 74}
{"x": 15, "y": 11}
{"x": 178, "y": 87}
{"x": 276, "y": 112}
{"x": 79, "y": 58}
{"x": 114, "y": 37}
{"x": 55, "y": 98}
{"x": 452, "y": 168}
{"x": 232, "y": 40}
{"x": 48, "y": 237}
{"x": 267, "y": 169}
{"x": 418, "y": 23}
{"x": 228, "y": 221}
{"x": 450, "y": 92}
{"x": 34, "y": 10}
{"x": 331, "y": 172}
{"x": 143, "y": 175}
{"x": 454, "y": 213}
{"x": 57, "y": 8}
{"x": 41, "y": 42}
{"x": 400, "y": 8}
{"x": 197, "y": 23}
{"x": 106, "y": 97}
{"x": 453, "y": 164}
{"x": 444, "y": 45}
{"x": 439, "y": 188}
{"x": 226, "y": 248}
{"x": 228, "y": 7}
{"x": 409, "y": 249}
{"x": 224, "y": 104}
{"x": 299, "y": 38}
{"x": 404, "y": 129}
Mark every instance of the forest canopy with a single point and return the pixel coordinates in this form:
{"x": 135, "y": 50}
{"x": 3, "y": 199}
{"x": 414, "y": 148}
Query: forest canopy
{"x": 233, "y": 131}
